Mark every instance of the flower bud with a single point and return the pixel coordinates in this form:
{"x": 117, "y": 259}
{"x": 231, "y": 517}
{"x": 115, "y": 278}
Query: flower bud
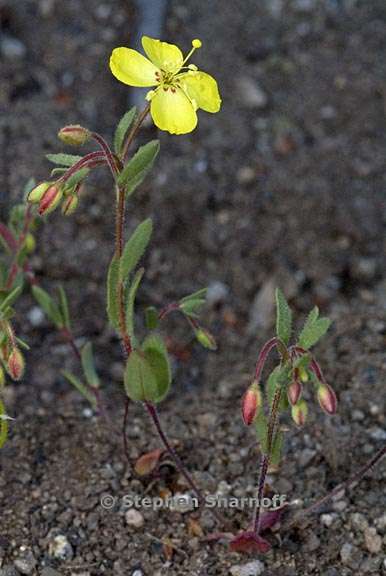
{"x": 299, "y": 413}
{"x": 206, "y": 339}
{"x": 74, "y": 135}
{"x": 15, "y": 364}
{"x": 36, "y": 193}
{"x": 30, "y": 243}
{"x": 294, "y": 392}
{"x": 251, "y": 403}
{"x": 50, "y": 200}
{"x": 327, "y": 399}
{"x": 303, "y": 374}
{"x": 70, "y": 204}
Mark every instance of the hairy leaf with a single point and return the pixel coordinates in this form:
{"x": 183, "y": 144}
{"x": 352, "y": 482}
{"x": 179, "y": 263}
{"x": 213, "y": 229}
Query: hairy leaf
{"x": 131, "y": 300}
{"x": 314, "y": 328}
{"x": 283, "y": 317}
{"x": 138, "y": 166}
{"x": 135, "y": 247}
{"x": 122, "y": 128}
{"x": 48, "y": 305}
{"x": 112, "y": 293}
{"x": 140, "y": 380}
{"x": 63, "y": 159}
{"x": 157, "y": 356}
{"x": 88, "y": 366}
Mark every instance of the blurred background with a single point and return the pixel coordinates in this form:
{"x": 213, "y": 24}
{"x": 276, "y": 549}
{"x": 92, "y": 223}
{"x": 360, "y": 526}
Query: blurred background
{"x": 285, "y": 186}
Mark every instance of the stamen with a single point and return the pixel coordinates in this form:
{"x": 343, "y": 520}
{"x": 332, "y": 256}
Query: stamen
{"x": 196, "y": 43}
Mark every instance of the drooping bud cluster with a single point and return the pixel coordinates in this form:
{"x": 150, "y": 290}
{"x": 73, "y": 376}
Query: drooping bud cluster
{"x": 50, "y": 194}
{"x": 251, "y": 403}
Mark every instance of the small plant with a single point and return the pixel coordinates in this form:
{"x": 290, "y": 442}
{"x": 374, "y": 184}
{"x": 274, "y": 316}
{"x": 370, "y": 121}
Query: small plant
{"x": 282, "y": 393}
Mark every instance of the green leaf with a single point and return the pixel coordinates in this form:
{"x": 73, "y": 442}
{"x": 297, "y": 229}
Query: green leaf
{"x": 192, "y": 307}
{"x": 135, "y": 247}
{"x": 48, "y": 305}
{"x": 277, "y": 447}
{"x": 122, "y": 128}
{"x": 77, "y": 177}
{"x": 198, "y": 295}
{"x": 140, "y": 379}
{"x": 82, "y": 388}
{"x": 261, "y": 424}
{"x": 63, "y": 159}
{"x": 88, "y": 366}
{"x": 314, "y": 328}
{"x": 158, "y": 359}
{"x": 3, "y": 425}
{"x": 22, "y": 344}
{"x": 283, "y": 317}
{"x": 151, "y": 318}
{"x": 11, "y": 298}
{"x": 138, "y": 166}
{"x": 131, "y": 300}
{"x": 112, "y": 293}
{"x": 64, "y": 309}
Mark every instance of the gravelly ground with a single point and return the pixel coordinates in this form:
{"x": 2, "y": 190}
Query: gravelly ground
{"x": 285, "y": 186}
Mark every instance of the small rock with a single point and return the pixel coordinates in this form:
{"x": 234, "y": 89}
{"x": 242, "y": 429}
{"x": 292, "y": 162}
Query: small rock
{"x": 262, "y": 309}
{"x": 182, "y": 503}
{"x": 134, "y": 518}
{"x": 26, "y": 562}
{"x": 251, "y": 94}
{"x": 306, "y": 456}
{"x": 246, "y": 175}
{"x": 312, "y": 543}
{"x": 8, "y": 571}
{"x": 373, "y": 541}
{"x": 358, "y": 521}
{"x": 327, "y": 519}
{"x": 381, "y": 522}
{"x": 217, "y": 293}
{"x": 59, "y": 547}
{"x": 137, "y": 573}
{"x": 250, "y": 569}
{"x": 378, "y": 434}
{"x": 12, "y": 48}
{"x": 364, "y": 268}
{"x": 350, "y": 555}
{"x": 48, "y": 571}
{"x": 36, "y": 316}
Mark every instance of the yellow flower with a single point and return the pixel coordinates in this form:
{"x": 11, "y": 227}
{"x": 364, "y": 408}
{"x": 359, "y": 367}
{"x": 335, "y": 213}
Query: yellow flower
{"x": 179, "y": 90}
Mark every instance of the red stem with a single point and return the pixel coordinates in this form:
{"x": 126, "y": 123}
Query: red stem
{"x": 262, "y": 358}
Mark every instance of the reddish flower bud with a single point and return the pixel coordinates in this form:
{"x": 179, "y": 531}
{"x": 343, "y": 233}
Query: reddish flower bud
{"x": 299, "y": 413}
{"x": 294, "y": 392}
{"x": 251, "y": 403}
{"x": 327, "y": 399}
{"x": 70, "y": 204}
{"x": 36, "y": 193}
{"x": 15, "y": 364}
{"x": 50, "y": 199}
{"x": 74, "y": 135}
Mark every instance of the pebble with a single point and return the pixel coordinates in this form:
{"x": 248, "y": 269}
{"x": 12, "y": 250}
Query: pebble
{"x": 36, "y": 316}
{"x": 378, "y": 434}
{"x": 358, "y": 521}
{"x": 182, "y": 503}
{"x": 246, "y": 175}
{"x": 26, "y": 562}
{"x": 262, "y": 310}
{"x": 250, "y": 569}
{"x": 48, "y": 571}
{"x": 251, "y": 94}
{"x": 350, "y": 555}
{"x": 373, "y": 540}
{"x": 217, "y": 293}
{"x": 134, "y": 518}
{"x": 59, "y": 547}
{"x": 8, "y": 571}
{"x": 306, "y": 456}
{"x": 328, "y": 519}
{"x": 12, "y": 48}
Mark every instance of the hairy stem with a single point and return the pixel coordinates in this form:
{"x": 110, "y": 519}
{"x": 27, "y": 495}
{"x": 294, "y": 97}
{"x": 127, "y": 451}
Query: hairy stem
{"x": 134, "y": 131}
{"x": 152, "y": 411}
{"x": 264, "y": 353}
{"x": 266, "y": 459}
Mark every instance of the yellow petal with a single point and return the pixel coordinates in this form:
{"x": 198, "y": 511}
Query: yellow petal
{"x": 202, "y": 88}
{"x": 173, "y": 111}
{"x": 166, "y": 56}
{"x": 131, "y": 68}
